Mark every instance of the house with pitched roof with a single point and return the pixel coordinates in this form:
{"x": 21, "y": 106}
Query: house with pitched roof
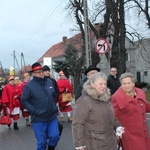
{"x": 56, "y": 52}
{"x": 135, "y": 56}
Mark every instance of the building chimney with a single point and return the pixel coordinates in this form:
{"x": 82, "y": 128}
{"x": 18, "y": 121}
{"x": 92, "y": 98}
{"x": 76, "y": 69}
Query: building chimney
{"x": 64, "y": 39}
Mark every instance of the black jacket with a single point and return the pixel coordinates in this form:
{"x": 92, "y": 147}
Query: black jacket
{"x": 113, "y": 83}
{"x": 55, "y": 87}
{"x": 79, "y": 89}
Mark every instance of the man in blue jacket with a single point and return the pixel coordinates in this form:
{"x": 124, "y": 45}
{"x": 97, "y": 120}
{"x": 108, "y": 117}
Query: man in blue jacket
{"x": 38, "y": 97}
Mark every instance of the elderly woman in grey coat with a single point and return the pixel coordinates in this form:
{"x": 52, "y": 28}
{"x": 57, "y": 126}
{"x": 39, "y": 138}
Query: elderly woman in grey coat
{"x": 94, "y": 123}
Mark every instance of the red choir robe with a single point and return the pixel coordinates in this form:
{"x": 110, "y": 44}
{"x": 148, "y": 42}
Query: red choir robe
{"x": 8, "y": 96}
{"x": 21, "y": 86}
{"x": 25, "y": 112}
{"x": 1, "y": 91}
{"x": 63, "y": 85}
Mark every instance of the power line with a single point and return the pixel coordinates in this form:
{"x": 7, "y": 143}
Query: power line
{"x": 40, "y": 26}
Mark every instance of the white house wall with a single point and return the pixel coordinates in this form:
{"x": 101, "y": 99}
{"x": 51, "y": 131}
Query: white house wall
{"x": 143, "y": 59}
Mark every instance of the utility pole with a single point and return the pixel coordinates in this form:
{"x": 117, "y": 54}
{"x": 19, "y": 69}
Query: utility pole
{"x": 87, "y": 34}
{"x": 14, "y": 57}
{"x": 22, "y": 61}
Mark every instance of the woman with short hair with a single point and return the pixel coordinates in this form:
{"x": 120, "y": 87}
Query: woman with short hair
{"x": 131, "y": 106}
{"x": 94, "y": 121}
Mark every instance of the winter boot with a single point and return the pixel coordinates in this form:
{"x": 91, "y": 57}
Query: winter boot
{"x": 62, "y": 119}
{"x": 27, "y": 122}
{"x": 9, "y": 125}
{"x": 51, "y": 148}
{"x": 16, "y": 126}
{"x": 69, "y": 119}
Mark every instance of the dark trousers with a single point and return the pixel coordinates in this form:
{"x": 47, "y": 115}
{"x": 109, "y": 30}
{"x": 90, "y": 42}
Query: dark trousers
{"x": 60, "y": 126}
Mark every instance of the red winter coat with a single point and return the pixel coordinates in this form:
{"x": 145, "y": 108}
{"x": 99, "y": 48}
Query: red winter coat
{"x": 131, "y": 113}
{"x": 63, "y": 85}
{"x": 8, "y": 96}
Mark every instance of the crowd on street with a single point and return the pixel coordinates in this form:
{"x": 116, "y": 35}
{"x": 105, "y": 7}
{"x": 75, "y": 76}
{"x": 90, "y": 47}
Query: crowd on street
{"x": 109, "y": 111}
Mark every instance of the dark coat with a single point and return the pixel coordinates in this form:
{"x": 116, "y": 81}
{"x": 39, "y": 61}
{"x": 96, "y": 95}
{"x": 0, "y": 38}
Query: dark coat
{"x": 38, "y": 97}
{"x": 93, "y": 121}
{"x": 113, "y": 83}
{"x": 131, "y": 113}
{"x": 55, "y": 87}
{"x": 79, "y": 89}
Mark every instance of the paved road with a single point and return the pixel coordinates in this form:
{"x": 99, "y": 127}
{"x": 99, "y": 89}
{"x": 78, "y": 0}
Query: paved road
{"x": 23, "y": 139}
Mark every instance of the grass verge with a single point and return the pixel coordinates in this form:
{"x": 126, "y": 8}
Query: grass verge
{"x": 148, "y": 95}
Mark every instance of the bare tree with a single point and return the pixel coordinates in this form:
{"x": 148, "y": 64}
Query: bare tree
{"x": 143, "y": 8}
{"x": 74, "y": 61}
{"x": 115, "y": 10}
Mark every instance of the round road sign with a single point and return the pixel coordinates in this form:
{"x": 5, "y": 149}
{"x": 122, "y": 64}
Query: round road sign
{"x": 102, "y": 46}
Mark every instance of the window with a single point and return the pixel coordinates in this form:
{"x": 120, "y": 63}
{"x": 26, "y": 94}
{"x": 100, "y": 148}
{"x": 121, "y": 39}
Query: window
{"x": 127, "y": 56}
{"x": 145, "y": 73}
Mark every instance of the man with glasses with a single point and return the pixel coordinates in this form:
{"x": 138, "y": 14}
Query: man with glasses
{"x": 38, "y": 97}
{"x": 113, "y": 82}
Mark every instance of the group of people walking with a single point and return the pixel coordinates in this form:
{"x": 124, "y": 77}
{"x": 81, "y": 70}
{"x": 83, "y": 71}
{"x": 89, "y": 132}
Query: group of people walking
{"x": 38, "y": 98}
{"x": 111, "y": 105}
{"x": 10, "y": 98}
{"x": 107, "y": 109}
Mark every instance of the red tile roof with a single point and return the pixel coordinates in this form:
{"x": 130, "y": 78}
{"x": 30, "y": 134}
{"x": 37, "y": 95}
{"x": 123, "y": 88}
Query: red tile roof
{"x": 26, "y": 69}
{"x": 58, "y": 49}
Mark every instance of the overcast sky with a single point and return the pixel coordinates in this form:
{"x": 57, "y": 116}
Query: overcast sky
{"x": 30, "y": 27}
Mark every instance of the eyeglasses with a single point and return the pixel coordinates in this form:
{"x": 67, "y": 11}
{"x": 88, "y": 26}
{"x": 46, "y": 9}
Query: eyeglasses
{"x": 38, "y": 72}
{"x": 113, "y": 71}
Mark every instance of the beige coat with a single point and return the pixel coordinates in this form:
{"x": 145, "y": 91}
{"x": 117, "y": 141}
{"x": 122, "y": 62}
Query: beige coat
{"x": 93, "y": 121}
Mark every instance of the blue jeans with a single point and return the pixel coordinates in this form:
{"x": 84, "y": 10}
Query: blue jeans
{"x": 44, "y": 131}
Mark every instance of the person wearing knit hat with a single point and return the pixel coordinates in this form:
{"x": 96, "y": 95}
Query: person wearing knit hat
{"x": 38, "y": 97}
{"x": 88, "y": 72}
{"x": 45, "y": 68}
{"x": 64, "y": 86}
{"x": 11, "y": 98}
{"x": 47, "y": 74}
{"x": 25, "y": 112}
{"x": 46, "y": 71}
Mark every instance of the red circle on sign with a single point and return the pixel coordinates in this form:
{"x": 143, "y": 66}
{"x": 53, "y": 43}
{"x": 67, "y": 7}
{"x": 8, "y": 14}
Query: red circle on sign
{"x": 102, "y": 46}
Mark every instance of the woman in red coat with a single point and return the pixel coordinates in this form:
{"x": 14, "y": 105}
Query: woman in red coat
{"x": 10, "y": 97}
{"x": 25, "y": 112}
{"x": 64, "y": 86}
{"x": 131, "y": 106}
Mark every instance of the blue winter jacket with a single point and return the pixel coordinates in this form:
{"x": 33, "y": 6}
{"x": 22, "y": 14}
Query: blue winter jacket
{"x": 39, "y": 97}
